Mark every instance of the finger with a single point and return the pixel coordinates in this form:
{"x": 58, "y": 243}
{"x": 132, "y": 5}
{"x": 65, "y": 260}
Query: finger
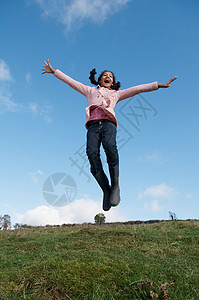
{"x": 49, "y": 64}
{"x": 45, "y": 63}
{"x": 172, "y": 79}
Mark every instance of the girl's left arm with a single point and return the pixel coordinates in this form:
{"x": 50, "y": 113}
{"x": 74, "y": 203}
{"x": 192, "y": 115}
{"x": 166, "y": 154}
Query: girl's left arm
{"x": 76, "y": 85}
{"x": 143, "y": 88}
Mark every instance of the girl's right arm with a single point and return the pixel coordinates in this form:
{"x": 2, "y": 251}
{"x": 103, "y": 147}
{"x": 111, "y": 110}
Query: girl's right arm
{"x": 76, "y": 85}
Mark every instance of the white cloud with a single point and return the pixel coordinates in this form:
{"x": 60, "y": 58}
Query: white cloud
{"x": 33, "y": 107}
{"x": 28, "y": 77}
{"x": 155, "y": 206}
{"x": 154, "y": 197}
{"x": 161, "y": 190}
{"x": 37, "y": 110}
{"x": 188, "y": 196}
{"x": 72, "y": 14}
{"x": 35, "y": 176}
{"x": 153, "y": 157}
{"x": 4, "y": 71}
{"x": 42, "y": 110}
{"x": 6, "y": 103}
{"x": 78, "y": 211}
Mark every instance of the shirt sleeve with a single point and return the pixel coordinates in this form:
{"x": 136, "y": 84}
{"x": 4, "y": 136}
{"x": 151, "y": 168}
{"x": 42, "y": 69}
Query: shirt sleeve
{"x": 132, "y": 91}
{"x": 76, "y": 85}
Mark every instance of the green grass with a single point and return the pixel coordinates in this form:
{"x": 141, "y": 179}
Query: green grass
{"x": 118, "y": 261}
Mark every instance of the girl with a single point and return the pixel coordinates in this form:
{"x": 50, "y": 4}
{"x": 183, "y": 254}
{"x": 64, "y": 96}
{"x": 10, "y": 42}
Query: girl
{"x": 102, "y": 124}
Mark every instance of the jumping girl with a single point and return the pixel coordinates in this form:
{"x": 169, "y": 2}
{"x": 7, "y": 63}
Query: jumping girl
{"x": 101, "y": 124}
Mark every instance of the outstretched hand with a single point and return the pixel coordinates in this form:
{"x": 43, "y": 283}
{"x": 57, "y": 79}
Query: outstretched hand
{"x": 47, "y": 68}
{"x": 167, "y": 84}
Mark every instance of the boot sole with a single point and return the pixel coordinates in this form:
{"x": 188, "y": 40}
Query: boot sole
{"x": 107, "y": 209}
{"x": 114, "y": 205}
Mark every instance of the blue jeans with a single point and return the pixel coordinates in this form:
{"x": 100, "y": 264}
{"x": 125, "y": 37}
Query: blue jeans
{"x": 101, "y": 132}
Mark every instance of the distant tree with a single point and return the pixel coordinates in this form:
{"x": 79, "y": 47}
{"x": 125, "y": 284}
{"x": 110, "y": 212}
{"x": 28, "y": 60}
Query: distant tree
{"x": 25, "y": 226}
{"x": 17, "y": 226}
{"x": 5, "y": 222}
{"x": 172, "y": 216}
{"x": 100, "y": 219}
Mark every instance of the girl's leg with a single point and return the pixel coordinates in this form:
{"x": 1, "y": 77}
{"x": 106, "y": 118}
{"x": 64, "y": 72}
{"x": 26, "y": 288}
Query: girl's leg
{"x": 110, "y": 147}
{"x": 93, "y": 148}
{"x": 94, "y": 139}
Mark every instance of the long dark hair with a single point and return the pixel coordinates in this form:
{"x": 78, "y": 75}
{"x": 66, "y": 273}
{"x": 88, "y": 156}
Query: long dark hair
{"x": 115, "y": 85}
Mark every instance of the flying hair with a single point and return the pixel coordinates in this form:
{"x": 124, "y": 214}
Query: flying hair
{"x": 115, "y": 85}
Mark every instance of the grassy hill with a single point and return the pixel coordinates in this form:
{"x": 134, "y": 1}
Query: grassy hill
{"x": 112, "y": 261}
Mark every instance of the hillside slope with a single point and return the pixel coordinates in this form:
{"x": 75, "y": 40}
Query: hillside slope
{"x": 143, "y": 261}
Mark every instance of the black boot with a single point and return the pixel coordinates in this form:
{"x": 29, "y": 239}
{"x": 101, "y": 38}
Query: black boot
{"x": 104, "y": 184}
{"x": 115, "y": 190}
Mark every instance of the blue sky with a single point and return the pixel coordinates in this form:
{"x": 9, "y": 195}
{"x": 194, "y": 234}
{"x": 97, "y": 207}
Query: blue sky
{"x": 42, "y": 119}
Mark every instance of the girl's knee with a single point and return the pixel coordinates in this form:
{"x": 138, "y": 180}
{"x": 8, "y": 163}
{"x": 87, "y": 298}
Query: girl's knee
{"x": 92, "y": 153}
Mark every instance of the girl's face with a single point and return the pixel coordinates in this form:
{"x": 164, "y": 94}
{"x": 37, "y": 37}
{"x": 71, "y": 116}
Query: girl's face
{"x": 107, "y": 79}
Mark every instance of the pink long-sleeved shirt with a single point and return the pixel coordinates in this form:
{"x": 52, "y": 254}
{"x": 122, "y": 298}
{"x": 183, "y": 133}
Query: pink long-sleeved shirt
{"x": 102, "y": 97}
